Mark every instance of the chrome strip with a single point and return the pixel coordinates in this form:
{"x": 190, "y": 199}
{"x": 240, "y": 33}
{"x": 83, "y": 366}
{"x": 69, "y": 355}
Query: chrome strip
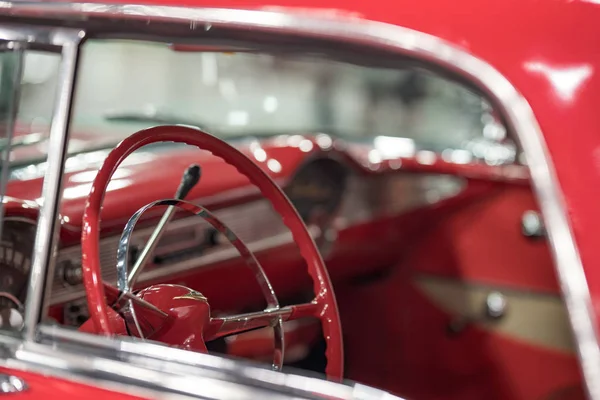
{"x": 142, "y": 376}
{"x": 414, "y": 44}
{"x": 148, "y": 249}
{"x": 149, "y": 365}
{"x": 48, "y": 222}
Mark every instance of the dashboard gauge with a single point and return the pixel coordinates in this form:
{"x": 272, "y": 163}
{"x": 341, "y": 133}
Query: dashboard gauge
{"x": 316, "y": 191}
{"x": 317, "y": 188}
{"x": 16, "y": 248}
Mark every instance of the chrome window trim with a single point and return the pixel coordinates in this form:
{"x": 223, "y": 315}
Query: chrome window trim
{"x": 128, "y": 364}
{"x": 153, "y": 370}
{"x": 408, "y": 42}
{"x": 50, "y": 39}
{"x": 46, "y": 238}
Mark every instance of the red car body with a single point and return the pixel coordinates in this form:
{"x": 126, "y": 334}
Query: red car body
{"x": 548, "y": 52}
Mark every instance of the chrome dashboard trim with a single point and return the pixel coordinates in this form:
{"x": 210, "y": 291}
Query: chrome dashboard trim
{"x": 244, "y": 219}
{"x": 403, "y": 41}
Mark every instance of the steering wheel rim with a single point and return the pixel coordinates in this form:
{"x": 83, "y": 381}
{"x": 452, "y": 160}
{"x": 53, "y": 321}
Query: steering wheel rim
{"x": 90, "y": 239}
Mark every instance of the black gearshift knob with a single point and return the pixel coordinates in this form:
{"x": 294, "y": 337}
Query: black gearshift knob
{"x": 190, "y": 178}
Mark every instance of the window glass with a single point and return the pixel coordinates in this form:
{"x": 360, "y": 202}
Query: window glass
{"x": 125, "y": 86}
{"x": 24, "y": 127}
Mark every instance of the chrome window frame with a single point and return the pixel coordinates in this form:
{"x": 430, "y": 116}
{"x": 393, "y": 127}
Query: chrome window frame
{"x": 65, "y": 42}
{"x": 399, "y": 40}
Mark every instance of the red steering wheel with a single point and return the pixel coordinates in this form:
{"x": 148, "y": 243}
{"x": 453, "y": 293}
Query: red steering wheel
{"x": 164, "y": 307}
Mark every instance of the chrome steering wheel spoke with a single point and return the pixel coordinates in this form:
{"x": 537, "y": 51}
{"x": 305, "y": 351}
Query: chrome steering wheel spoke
{"x": 270, "y": 316}
{"x": 142, "y": 321}
{"x": 235, "y": 324}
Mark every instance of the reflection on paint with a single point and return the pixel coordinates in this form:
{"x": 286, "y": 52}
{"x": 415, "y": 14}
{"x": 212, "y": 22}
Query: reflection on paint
{"x": 81, "y": 191}
{"x": 565, "y": 81}
{"x": 78, "y": 163}
{"x": 89, "y": 176}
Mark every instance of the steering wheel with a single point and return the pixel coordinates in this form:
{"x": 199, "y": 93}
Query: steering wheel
{"x": 177, "y": 315}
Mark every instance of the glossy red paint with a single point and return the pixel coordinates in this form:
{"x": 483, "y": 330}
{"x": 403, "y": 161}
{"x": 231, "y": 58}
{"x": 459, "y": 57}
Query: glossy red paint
{"x": 326, "y": 309}
{"x": 189, "y": 316}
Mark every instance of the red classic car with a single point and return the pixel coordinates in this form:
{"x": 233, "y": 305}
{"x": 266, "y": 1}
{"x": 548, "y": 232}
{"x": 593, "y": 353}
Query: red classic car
{"x": 400, "y": 195}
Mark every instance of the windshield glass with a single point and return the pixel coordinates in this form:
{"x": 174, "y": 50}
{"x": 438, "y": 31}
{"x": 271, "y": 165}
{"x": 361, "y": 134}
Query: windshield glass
{"x": 125, "y": 86}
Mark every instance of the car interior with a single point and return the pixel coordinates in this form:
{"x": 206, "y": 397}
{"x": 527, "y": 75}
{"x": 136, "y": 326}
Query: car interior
{"x": 414, "y": 190}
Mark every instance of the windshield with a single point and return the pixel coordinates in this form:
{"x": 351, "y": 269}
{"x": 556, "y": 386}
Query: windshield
{"x": 125, "y": 86}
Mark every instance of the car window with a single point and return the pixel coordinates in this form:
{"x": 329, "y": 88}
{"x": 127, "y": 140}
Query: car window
{"x": 24, "y": 129}
{"x": 127, "y": 85}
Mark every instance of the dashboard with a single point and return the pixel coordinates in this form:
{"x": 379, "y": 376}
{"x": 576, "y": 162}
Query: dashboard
{"x": 333, "y": 197}
{"x": 317, "y": 189}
